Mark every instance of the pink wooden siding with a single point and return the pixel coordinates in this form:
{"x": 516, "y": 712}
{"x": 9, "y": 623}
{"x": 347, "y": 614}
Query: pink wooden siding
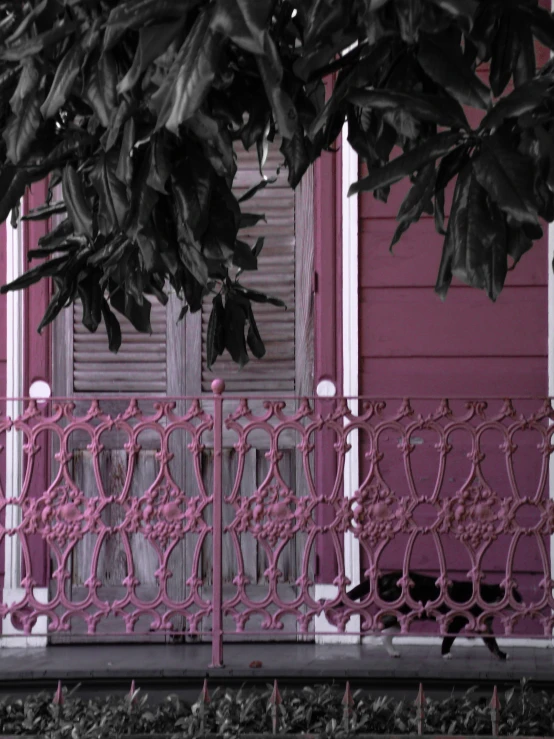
{"x": 3, "y": 317}
{"x": 413, "y": 344}
{"x": 37, "y": 364}
{"x": 3, "y": 327}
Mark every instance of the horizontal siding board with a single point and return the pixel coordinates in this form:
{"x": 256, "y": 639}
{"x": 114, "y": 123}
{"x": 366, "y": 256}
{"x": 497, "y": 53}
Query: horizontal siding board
{"x": 414, "y": 322}
{"x": 416, "y": 258}
{"x": 453, "y": 376}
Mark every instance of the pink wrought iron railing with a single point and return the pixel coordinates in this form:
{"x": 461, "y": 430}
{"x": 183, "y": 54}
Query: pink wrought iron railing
{"x": 220, "y": 517}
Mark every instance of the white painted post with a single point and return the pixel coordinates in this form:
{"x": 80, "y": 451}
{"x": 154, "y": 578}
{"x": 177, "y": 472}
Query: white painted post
{"x": 350, "y": 352}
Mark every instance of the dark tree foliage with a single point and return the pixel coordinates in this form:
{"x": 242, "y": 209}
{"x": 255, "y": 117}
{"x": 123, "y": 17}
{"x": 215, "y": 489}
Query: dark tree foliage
{"x": 135, "y": 108}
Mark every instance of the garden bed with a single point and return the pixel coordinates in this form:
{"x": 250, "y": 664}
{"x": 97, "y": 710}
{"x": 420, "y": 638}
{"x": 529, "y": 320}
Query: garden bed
{"x": 321, "y": 711}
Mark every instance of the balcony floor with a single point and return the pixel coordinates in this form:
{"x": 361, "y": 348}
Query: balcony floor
{"x": 171, "y": 667}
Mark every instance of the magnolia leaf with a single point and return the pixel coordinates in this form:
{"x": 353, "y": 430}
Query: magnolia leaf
{"x": 253, "y": 338}
{"x": 521, "y": 100}
{"x": 525, "y": 67}
{"x": 143, "y": 200}
{"x": 136, "y": 13}
{"x": 113, "y": 203}
{"x": 49, "y": 268}
{"x": 256, "y": 188}
{"x": 194, "y": 261}
{"x": 45, "y": 211}
{"x": 474, "y": 249}
{"x": 406, "y": 164}
{"x": 216, "y": 144}
{"x": 35, "y": 45}
{"x": 296, "y": 157}
{"x": 450, "y": 165}
{"x": 66, "y": 74}
{"x": 250, "y": 219}
{"x": 118, "y": 119}
{"x": 63, "y": 295}
{"x": 540, "y": 21}
{"x": 215, "y": 345}
{"x": 447, "y": 67}
{"x": 22, "y": 127}
{"x": 258, "y": 297}
{"x": 160, "y": 166}
{"x": 258, "y": 246}
{"x": 517, "y": 244}
{"x": 153, "y": 42}
{"x": 28, "y": 81}
{"x": 244, "y": 257}
{"x": 409, "y": 14}
{"x": 464, "y": 10}
{"x": 244, "y": 22}
{"x": 113, "y": 328}
{"x": 282, "y": 104}
{"x": 100, "y": 87}
{"x": 26, "y": 22}
{"x": 91, "y": 296}
{"x": 190, "y": 77}
{"x": 235, "y": 326}
{"x": 508, "y": 177}
{"x": 57, "y": 235}
{"x": 124, "y": 171}
{"x": 415, "y": 201}
{"x": 12, "y": 186}
{"x": 78, "y": 209}
{"x": 440, "y": 110}
{"x": 505, "y": 51}
{"x": 138, "y": 314}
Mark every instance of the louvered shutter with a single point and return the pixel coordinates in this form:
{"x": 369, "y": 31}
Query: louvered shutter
{"x": 275, "y": 373}
{"x": 140, "y": 366}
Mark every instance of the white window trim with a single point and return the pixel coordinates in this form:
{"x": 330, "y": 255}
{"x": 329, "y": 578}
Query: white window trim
{"x": 15, "y": 390}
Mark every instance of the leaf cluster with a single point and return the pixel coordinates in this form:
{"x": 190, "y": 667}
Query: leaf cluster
{"x": 136, "y": 109}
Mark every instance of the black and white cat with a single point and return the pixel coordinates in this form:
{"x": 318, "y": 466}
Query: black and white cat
{"x": 425, "y": 590}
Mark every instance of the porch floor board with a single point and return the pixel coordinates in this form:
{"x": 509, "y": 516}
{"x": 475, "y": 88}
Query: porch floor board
{"x": 187, "y": 664}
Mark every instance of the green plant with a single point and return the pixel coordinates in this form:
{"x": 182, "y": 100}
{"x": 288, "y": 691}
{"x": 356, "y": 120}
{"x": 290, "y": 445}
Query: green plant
{"x": 136, "y": 107}
{"x": 311, "y": 710}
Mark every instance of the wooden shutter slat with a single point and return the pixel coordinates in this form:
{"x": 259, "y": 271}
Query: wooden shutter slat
{"x": 140, "y": 366}
{"x": 275, "y": 373}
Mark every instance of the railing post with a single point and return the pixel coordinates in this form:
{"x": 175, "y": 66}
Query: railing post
{"x": 218, "y": 386}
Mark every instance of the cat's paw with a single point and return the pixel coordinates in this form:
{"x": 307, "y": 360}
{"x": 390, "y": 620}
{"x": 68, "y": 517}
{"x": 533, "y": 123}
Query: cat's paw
{"x": 447, "y": 656}
{"x": 394, "y": 654}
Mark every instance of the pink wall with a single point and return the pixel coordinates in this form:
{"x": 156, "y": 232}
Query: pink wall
{"x": 328, "y": 326}
{"x": 3, "y": 325}
{"x": 2, "y": 311}
{"x": 413, "y": 344}
{"x": 38, "y": 364}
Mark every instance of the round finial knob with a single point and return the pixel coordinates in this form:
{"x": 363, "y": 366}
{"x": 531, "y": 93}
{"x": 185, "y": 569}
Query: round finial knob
{"x": 218, "y": 386}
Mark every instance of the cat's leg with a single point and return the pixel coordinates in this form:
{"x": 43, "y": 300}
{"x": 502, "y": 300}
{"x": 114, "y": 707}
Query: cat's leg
{"x": 454, "y": 628}
{"x": 492, "y": 644}
{"x": 390, "y": 627}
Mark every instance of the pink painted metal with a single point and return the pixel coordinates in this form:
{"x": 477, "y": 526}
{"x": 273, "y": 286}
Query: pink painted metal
{"x": 347, "y": 710}
{"x": 218, "y": 386}
{"x": 420, "y": 709}
{"x": 481, "y": 513}
{"x": 275, "y": 701}
{"x": 495, "y": 711}
{"x": 58, "y": 695}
